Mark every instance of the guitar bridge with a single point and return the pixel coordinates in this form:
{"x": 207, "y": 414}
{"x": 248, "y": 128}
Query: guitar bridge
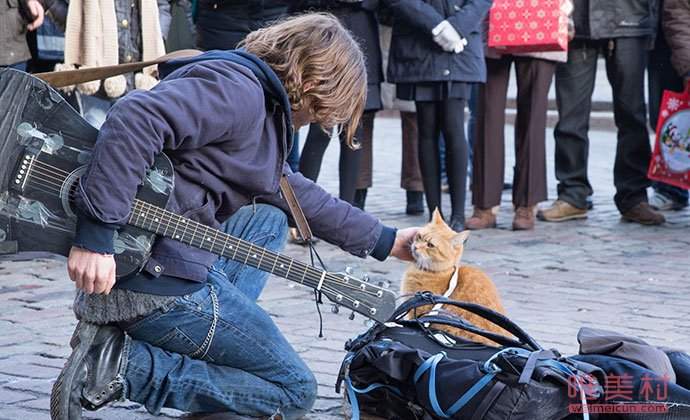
{"x": 23, "y": 172}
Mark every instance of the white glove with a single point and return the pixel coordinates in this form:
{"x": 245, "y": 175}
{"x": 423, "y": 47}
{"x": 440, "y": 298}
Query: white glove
{"x": 448, "y": 38}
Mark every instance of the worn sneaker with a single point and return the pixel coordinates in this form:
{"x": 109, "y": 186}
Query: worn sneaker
{"x": 92, "y": 376}
{"x": 481, "y": 219}
{"x": 659, "y": 201}
{"x": 643, "y": 214}
{"x": 560, "y": 211}
{"x": 524, "y": 218}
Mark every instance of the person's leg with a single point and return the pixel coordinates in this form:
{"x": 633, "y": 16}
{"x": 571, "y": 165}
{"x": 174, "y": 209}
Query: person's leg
{"x": 429, "y": 162}
{"x": 472, "y": 126}
{"x": 410, "y": 174}
{"x": 349, "y": 165}
{"x": 489, "y": 147}
{"x": 534, "y": 80}
{"x": 453, "y": 126}
{"x": 216, "y": 350}
{"x": 364, "y": 179}
{"x": 293, "y": 157}
{"x": 625, "y": 67}
{"x": 574, "y": 87}
{"x": 312, "y": 153}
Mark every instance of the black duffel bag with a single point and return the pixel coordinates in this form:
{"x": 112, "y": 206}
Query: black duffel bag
{"x": 406, "y": 369}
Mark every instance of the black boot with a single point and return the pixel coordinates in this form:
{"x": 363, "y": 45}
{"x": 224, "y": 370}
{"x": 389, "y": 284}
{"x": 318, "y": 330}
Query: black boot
{"x": 415, "y": 202}
{"x": 93, "y": 374}
{"x": 360, "y": 198}
{"x": 457, "y": 223}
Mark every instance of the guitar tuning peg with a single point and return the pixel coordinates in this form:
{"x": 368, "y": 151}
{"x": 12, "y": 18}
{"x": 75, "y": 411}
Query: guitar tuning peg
{"x": 352, "y": 316}
{"x": 335, "y": 308}
{"x": 349, "y": 270}
{"x": 384, "y": 284}
{"x": 365, "y": 278}
{"x": 369, "y": 323}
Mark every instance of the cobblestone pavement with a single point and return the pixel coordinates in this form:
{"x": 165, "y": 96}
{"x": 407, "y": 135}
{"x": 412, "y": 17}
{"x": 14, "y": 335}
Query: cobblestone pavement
{"x": 598, "y": 272}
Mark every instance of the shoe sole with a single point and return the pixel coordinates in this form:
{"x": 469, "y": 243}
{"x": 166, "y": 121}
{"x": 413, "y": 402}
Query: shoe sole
{"x": 562, "y": 219}
{"x": 641, "y": 222}
{"x": 490, "y": 226}
{"x": 62, "y": 388}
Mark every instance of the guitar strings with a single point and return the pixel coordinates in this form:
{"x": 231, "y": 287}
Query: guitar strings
{"x": 46, "y": 170}
{"x": 161, "y": 212}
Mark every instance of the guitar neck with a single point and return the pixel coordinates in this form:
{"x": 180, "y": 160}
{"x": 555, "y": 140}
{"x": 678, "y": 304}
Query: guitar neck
{"x": 170, "y": 225}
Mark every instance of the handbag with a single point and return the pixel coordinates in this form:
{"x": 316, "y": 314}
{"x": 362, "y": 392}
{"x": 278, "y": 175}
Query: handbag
{"x": 407, "y": 369}
{"x": 670, "y": 162}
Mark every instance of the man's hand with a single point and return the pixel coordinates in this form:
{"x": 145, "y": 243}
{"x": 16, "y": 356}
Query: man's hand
{"x": 403, "y": 241}
{"x": 92, "y": 272}
{"x": 37, "y": 13}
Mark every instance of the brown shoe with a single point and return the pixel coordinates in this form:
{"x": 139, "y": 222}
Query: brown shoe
{"x": 481, "y": 219}
{"x": 560, "y": 211}
{"x": 524, "y": 218}
{"x": 643, "y": 214}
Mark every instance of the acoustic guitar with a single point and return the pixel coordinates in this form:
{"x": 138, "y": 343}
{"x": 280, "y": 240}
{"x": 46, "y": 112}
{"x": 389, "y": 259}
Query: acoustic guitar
{"x": 45, "y": 146}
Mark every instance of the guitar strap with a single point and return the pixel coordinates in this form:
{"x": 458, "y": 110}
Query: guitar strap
{"x": 60, "y": 79}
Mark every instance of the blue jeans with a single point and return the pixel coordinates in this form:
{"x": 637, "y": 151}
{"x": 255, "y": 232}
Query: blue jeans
{"x": 216, "y": 350}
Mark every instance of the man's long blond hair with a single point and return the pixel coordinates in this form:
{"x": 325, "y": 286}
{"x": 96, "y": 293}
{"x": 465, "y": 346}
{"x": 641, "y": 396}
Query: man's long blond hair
{"x": 320, "y": 64}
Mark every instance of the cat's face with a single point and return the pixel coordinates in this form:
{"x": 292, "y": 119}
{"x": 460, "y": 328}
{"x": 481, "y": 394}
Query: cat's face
{"x": 437, "y": 247}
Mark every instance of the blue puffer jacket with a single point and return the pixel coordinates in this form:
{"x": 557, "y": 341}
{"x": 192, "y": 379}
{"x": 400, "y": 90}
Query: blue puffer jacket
{"x": 220, "y": 118}
{"x": 415, "y": 57}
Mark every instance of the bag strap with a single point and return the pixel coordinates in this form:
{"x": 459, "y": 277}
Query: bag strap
{"x": 295, "y": 209}
{"x": 60, "y": 79}
{"x": 65, "y": 78}
{"x": 466, "y": 326}
{"x": 500, "y": 320}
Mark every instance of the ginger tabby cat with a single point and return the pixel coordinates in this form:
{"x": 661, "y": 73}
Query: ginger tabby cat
{"x": 437, "y": 250}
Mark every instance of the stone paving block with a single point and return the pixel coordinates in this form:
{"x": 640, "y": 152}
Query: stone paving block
{"x": 15, "y": 413}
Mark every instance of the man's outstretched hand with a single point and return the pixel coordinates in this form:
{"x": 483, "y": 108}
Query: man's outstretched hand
{"x": 403, "y": 240}
{"x": 92, "y": 272}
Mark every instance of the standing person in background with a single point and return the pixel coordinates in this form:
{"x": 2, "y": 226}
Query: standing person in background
{"x": 103, "y": 33}
{"x": 16, "y": 18}
{"x": 677, "y": 32}
{"x": 663, "y": 75}
{"x": 436, "y": 55}
{"x": 410, "y": 174}
{"x": 355, "y": 163}
{"x": 621, "y": 30}
{"x": 222, "y": 24}
{"x": 534, "y": 74}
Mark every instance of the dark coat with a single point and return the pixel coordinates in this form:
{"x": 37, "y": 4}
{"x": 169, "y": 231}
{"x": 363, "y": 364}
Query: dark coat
{"x": 14, "y": 16}
{"x": 222, "y": 24}
{"x": 360, "y": 19}
{"x": 677, "y": 29}
{"x": 227, "y": 139}
{"x": 415, "y": 57}
{"x": 615, "y": 18}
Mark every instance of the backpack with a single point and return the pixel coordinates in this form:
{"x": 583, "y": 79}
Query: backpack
{"x": 406, "y": 369}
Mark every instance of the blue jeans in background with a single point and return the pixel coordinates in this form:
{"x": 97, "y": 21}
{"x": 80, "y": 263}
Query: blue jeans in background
{"x": 240, "y": 362}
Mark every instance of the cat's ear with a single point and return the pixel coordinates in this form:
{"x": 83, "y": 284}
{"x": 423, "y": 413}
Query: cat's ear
{"x": 460, "y": 238}
{"x": 436, "y": 217}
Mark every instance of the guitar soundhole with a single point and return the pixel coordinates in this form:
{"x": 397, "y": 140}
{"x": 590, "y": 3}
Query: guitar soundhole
{"x": 69, "y": 189}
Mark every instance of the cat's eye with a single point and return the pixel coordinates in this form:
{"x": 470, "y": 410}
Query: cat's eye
{"x": 429, "y": 244}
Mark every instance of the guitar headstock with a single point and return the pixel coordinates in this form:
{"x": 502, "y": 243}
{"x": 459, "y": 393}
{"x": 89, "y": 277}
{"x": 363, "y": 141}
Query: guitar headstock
{"x": 372, "y": 301}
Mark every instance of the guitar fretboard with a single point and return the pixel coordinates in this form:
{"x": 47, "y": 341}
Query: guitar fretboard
{"x": 197, "y": 235}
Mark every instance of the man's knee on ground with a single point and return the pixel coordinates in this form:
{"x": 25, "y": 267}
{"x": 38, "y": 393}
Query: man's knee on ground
{"x": 303, "y": 391}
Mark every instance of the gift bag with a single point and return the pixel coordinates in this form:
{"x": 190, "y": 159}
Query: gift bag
{"x": 518, "y": 26}
{"x": 671, "y": 157}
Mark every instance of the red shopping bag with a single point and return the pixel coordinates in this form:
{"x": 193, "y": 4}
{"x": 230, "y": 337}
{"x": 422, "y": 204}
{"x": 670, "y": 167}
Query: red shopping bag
{"x": 517, "y": 26}
{"x": 671, "y": 157}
